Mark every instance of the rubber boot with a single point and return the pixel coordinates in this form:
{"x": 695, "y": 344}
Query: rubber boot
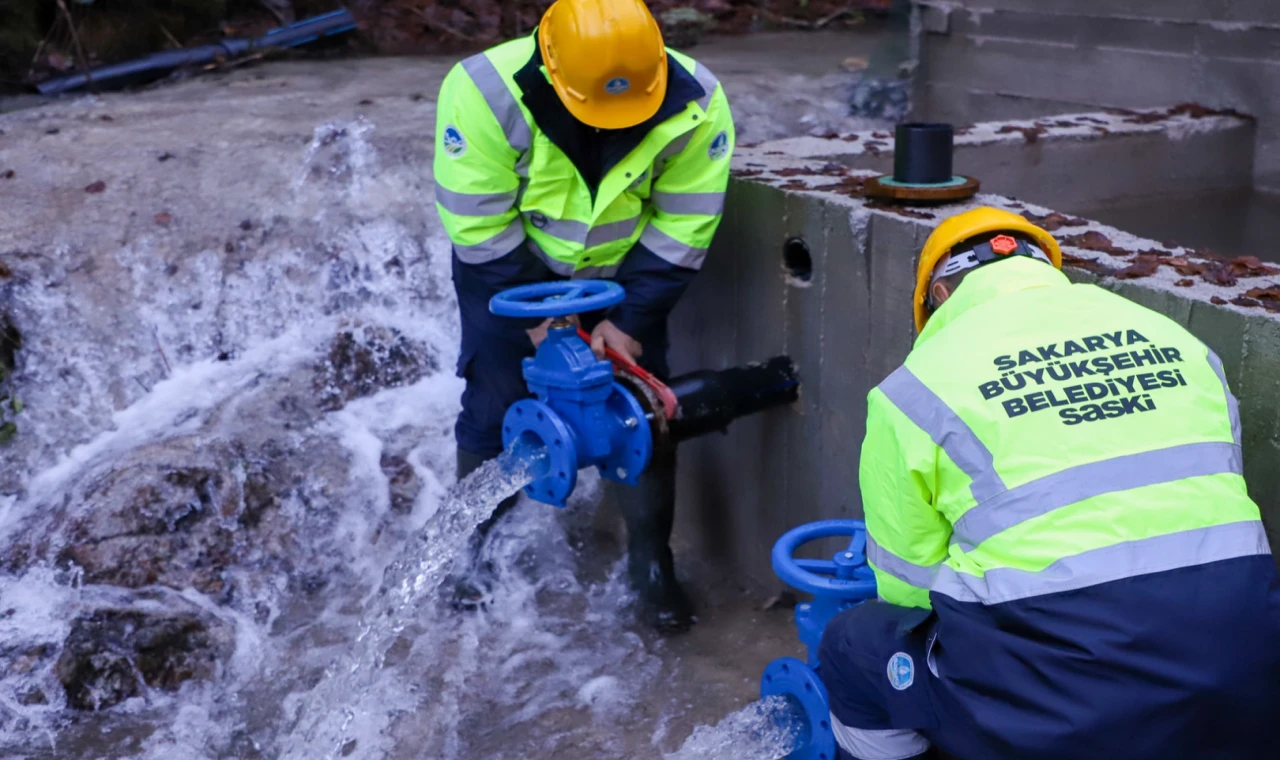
{"x": 471, "y": 590}
{"x": 649, "y": 511}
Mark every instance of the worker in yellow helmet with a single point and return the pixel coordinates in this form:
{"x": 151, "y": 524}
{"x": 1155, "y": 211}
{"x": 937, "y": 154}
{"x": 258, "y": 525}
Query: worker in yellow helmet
{"x": 587, "y": 149}
{"x": 1068, "y": 562}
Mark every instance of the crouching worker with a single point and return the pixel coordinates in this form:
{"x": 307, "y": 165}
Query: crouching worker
{"x": 1069, "y": 565}
{"x": 586, "y": 149}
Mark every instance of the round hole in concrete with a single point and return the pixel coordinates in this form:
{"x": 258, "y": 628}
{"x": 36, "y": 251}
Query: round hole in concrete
{"x": 796, "y": 258}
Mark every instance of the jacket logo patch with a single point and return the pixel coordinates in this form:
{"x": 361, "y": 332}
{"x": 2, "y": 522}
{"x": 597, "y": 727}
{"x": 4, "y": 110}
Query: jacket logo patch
{"x": 719, "y": 147}
{"x": 617, "y": 85}
{"x": 538, "y": 219}
{"x": 454, "y": 143}
{"x": 902, "y": 671}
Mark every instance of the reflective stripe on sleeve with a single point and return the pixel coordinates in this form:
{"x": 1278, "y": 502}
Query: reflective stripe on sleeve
{"x": 475, "y": 204}
{"x": 707, "y": 204}
{"x": 920, "y": 576}
{"x": 883, "y": 744}
{"x": 1075, "y": 484}
{"x": 1110, "y": 563}
{"x": 671, "y": 250}
{"x": 501, "y": 101}
{"x": 495, "y": 247}
{"x": 923, "y": 407}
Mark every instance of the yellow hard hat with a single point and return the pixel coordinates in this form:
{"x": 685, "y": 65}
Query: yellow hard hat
{"x": 970, "y": 224}
{"x": 606, "y": 60}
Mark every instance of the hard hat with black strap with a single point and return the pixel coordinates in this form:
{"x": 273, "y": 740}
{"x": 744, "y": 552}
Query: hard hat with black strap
{"x": 973, "y": 239}
{"x": 606, "y": 60}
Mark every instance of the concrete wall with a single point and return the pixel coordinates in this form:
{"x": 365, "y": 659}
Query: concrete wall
{"x": 1004, "y": 59}
{"x": 849, "y": 326}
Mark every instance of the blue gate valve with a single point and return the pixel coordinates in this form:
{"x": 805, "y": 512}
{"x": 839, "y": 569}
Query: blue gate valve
{"x": 580, "y": 414}
{"x": 837, "y": 584}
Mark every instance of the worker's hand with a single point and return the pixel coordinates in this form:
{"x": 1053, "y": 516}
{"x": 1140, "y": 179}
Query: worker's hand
{"x": 539, "y": 333}
{"x": 607, "y": 335}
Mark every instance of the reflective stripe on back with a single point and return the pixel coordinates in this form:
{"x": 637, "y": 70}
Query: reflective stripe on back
{"x": 1109, "y": 563}
{"x": 501, "y": 101}
{"x": 1076, "y": 484}
{"x": 923, "y": 407}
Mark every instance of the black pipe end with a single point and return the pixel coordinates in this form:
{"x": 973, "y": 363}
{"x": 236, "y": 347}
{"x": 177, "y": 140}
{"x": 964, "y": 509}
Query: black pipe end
{"x": 922, "y": 153}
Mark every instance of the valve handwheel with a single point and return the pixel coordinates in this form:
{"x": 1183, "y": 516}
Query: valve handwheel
{"x": 845, "y": 576}
{"x": 556, "y": 299}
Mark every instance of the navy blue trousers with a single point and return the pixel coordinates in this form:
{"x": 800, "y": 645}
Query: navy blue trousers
{"x": 493, "y": 347}
{"x": 1165, "y": 666}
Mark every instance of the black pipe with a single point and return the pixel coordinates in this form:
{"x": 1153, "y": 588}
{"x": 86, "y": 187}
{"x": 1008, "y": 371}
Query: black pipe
{"x": 156, "y": 65}
{"x": 922, "y": 154}
{"x": 709, "y": 400}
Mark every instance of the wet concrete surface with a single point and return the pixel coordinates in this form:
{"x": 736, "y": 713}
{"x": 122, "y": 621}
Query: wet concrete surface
{"x": 1242, "y": 222}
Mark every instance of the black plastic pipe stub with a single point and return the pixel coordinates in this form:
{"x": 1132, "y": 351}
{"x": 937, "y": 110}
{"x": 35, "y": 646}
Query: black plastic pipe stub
{"x": 922, "y": 153}
{"x": 922, "y": 168}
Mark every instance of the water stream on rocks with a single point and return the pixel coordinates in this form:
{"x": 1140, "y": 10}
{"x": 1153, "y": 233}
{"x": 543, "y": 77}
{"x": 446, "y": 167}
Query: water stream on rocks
{"x": 763, "y": 730}
{"x": 411, "y": 580}
{"x": 238, "y": 366}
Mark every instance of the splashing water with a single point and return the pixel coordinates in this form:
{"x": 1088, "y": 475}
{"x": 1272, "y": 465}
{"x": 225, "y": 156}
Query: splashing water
{"x": 410, "y": 580}
{"x": 771, "y": 728}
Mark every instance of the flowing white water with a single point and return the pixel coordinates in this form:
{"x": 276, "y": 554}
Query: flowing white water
{"x": 763, "y": 730}
{"x": 197, "y": 440}
{"x": 410, "y": 582}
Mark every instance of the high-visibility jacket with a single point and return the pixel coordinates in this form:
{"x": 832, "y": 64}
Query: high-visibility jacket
{"x": 1056, "y": 472}
{"x": 1043, "y": 436}
{"x": 503, "y": 180}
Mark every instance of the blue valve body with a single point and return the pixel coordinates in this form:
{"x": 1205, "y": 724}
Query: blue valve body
{"x": 580, "y": 414}
{"x": 838, "y": 584}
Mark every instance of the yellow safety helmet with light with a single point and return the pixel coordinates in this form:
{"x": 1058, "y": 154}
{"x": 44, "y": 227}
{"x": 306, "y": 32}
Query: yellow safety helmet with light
{"x": 606, "y": 60}
{"x": 963, "y": 227}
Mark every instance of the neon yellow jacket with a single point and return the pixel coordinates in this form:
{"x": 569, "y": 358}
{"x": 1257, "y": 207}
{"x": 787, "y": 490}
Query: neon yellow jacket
{"x": 1043, "y": 437}
{"x": 501, "y": 181}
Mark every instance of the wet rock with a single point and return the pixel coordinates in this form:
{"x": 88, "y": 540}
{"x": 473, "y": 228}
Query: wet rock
{"x": 404, "y": 482}
{"x": 364, "y": 360}
{"x": 683, "y": 27}
{"x": 112, "y": 654}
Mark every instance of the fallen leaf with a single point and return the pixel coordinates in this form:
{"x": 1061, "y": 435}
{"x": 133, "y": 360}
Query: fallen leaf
{"x": 164, "y": 218}
{"x": 6, "y": 174}
{"x": 164, "y": 157}
{"x": 106, "y": 117}
{"x": 1218, "y": 301}
{"x": 1054, "y": 221}
{"x": 1266, "y": 294}
{"x": 1143, "y": 266}
{"x": 854, "y": 63}
{"x": 1185, "y": 283}
{"x": 1250, "y": 266}
{"x": 1217, "y": 274}
{"x": 1095, "y": 241}
{"x": 1242, "y": 301}
{"x": 1030, "y": 134}
{"x": 96, "y": 187}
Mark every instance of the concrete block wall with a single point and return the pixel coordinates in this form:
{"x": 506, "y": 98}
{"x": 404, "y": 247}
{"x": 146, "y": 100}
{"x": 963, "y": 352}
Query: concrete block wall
{"x": 1004, "y": 59}
{"x": 849, "y": 325}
